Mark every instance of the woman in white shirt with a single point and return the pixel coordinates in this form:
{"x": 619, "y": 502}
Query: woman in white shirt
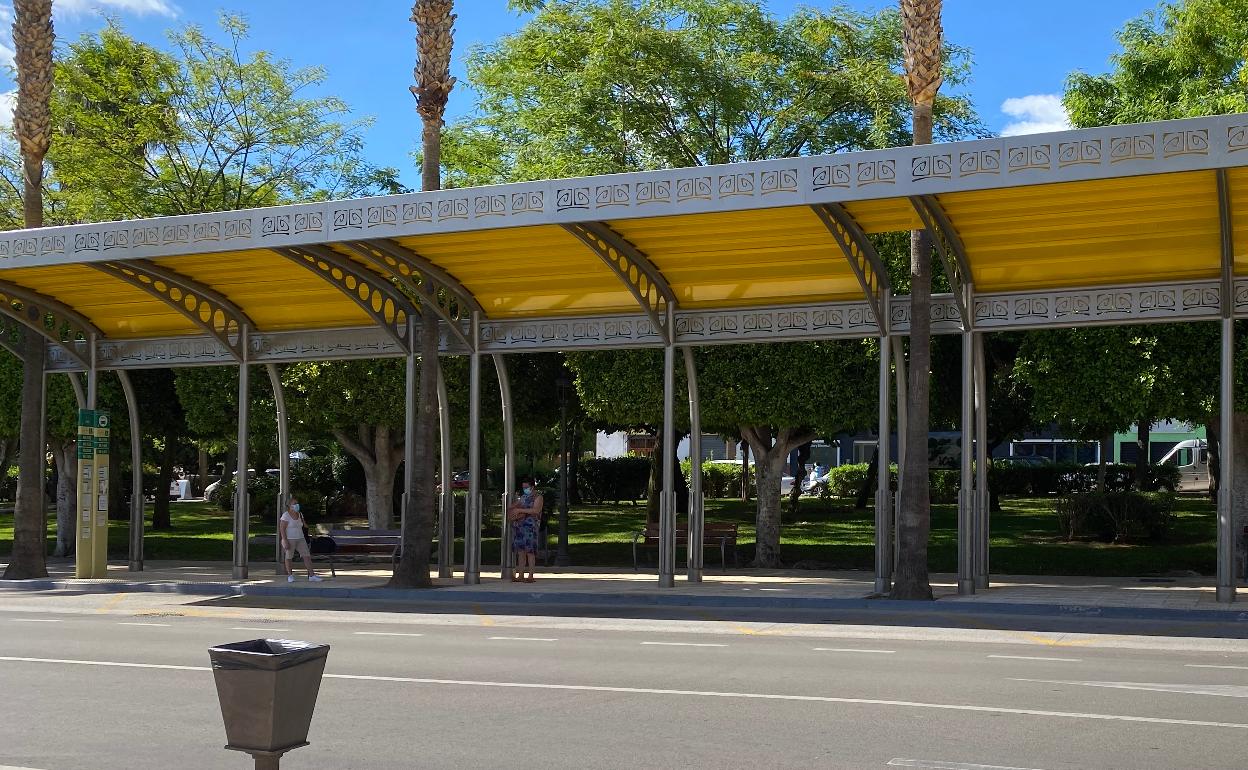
{"x": 290, "y": 526}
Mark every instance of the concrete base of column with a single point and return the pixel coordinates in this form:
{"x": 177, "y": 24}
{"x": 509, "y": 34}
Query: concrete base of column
{"x": 667, "y": 581}
{"x": 883, "y": 585}
{"x": 981, "y": 582}
{"x": 239, "y": 573}
{"x": 1225, "y": 594}
{"x": 135, "y": 566}
{"x": 472, "y": 578}
{"x": 966, "y": 588}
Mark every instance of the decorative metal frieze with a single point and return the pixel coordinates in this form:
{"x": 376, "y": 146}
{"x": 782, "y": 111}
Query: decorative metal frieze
{"x": 901, "y": 172}
{"x": 952, "y": 253}
{"x": 945, "y": 318}
{"x": 1120, "y": 305}
{"x": 569, "y": 333}
{"x": 647, "y": 285}
{"x": 862, "y": 258}
{"x": 374, "y": 294}
{"x": 777, "y": 324}
{"x": 207, "y": 308}
{"x": 55, "y": 321}
{"x": 439, "y": 292}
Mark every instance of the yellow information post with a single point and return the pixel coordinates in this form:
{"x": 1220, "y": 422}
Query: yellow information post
{"x": 91, "y": 555}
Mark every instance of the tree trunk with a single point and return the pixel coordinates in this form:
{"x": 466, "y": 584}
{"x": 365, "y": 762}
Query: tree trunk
{"x": 914, "y": 521}
{"x": 375, "y": 449}
{"x": 745, "y": 471}
{"x": 768, "y": 471}
{"x": 869, "y": 486}
{"x": 1142, "y": 459}
{"x": 65, "y": 453}
{"x": 1107, "y": 454}
{"x": 160, "y": 507}
{"x": 30, "y": 526}
{"x": 202, "y": 481}
{"x": 654, "y": 488}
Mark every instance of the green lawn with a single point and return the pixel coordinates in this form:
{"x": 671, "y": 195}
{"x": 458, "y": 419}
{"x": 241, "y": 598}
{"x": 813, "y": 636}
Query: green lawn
{"x": 826, "y": 535}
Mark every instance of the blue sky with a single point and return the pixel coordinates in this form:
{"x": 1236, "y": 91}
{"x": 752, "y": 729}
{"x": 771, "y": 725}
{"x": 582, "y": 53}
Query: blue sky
{"x": 1022, "y": 51}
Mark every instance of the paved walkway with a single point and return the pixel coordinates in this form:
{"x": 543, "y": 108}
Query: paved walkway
{"x": 588, "y": 586}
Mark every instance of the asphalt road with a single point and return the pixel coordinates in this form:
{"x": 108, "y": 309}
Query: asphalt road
{"x": 123, "y": 682}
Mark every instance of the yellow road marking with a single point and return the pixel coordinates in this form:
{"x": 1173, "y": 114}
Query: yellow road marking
{"x": 486, "y": 620}
{"x": 111, "y": 602}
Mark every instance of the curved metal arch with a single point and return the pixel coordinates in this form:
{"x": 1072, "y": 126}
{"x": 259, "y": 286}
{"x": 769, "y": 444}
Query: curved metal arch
{"x": 204, "y": 306}
{"x": 32, "y": 309}
{"x": 381, "y": 300}
{"x": 862, "y": 257}
{"x": 952, "y": 253}
{"x": 441, "y": 293}
{"x": 647, "y": 284}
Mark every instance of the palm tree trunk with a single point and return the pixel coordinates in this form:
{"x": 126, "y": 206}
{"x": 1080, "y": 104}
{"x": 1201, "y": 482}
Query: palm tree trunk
{"x": 434, "y": 38}
{"x": 32, "y": 43}
{"x": 922, "y": 45}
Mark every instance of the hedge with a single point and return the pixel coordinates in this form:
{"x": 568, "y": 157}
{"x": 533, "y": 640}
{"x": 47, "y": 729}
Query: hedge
{"x": 612, "y": 479}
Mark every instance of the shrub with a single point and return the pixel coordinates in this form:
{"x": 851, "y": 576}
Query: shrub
{"x": 614, "y": 479}
{"x": 1116, "y": 516}
{"x": 719, "y": 480}
{"x": 263, "y": 489}
{"x": 943, "y": 485}
{"x": 846, "y": 480}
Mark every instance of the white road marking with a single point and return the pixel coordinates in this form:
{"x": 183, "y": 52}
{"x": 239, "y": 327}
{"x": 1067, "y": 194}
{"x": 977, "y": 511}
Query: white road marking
{"x": 929, "y": 764}
{"x": 1222, "y": 690}
{"x": 847, "y": 649}
{"x": 688, "y": 693}
{"x": 255, "y": 628}
{"x": 1029, "y": 657}
{"x": 1207, "y": 665}
{"x": 685, "y": 644}
{"x": 521, "y": 639}
{"x": 156, "y": 625}
{"x": 33, "y": 620}
{"x": 384, "y": 633}
{"x": 15, "y": 767}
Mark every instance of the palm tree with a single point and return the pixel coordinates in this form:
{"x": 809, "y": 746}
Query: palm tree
{"x": 32, "y": 123}
{"x": 434, "y": 38}
{"x": 922, "y": 45}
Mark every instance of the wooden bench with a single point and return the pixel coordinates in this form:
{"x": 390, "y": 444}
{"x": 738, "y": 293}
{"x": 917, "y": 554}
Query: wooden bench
{"x": 723, "y": 535}
{"x": 351, "y": 543}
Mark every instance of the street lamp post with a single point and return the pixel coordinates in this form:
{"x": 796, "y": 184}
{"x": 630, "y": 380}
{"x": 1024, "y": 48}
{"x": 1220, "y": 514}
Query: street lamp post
{"x": 562, "y": 387}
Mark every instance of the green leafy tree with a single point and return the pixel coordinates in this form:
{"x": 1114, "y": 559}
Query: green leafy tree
{"x": 1182, "y": 59}
{"x": 777, "y": 397}
{"x": 359, "y": 403}
{"x": 603, "y": 86}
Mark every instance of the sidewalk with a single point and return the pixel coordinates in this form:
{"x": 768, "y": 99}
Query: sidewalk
{"x": 1176, "y": 598}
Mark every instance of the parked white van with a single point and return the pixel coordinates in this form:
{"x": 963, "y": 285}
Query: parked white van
{"x": 1192, "y": 458}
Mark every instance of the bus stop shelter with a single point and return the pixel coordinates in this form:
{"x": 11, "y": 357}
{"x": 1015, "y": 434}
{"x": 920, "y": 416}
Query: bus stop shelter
{"x": 1114, "y": 225}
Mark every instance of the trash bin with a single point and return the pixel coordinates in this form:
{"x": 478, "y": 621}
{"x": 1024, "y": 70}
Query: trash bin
{"x": 267, "y": 689}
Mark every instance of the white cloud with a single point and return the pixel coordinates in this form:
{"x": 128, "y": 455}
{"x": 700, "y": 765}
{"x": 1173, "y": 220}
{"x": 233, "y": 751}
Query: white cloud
{"x": 140, "y": 7}
{"x": 1034, "y": 114}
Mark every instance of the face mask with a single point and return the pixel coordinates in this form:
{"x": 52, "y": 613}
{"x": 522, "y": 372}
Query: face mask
{"x": 526, "y": 490}
{"x": 296, "y": 507}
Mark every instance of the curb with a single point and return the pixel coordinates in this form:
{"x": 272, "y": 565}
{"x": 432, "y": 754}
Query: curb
{"x": 652, "y": 599}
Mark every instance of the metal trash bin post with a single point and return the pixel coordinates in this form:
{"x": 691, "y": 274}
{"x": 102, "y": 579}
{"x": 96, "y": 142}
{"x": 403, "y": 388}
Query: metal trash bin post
{"x": 267, "y": 689}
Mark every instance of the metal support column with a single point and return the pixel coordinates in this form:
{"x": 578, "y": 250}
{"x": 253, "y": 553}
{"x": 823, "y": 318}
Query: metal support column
{"x": 446, "y": 499}
{"x": 283, "y": 461}
{"x": 966, "y": 489}
{"x": 410, "y": 383}
{"x": 472, "y": 523}
{"x": 899, "y": 364}
{"x": 1225, "y": 591}
{"x": 135, "y": 561}
{"x": 883, "y": 493}
{"x": 241, "y": 498}
{"x": 982, "y": 500}
{"x": 667, "y": 501}
{"x": 697, "y": 513}
{"x": 509, "y": 463}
